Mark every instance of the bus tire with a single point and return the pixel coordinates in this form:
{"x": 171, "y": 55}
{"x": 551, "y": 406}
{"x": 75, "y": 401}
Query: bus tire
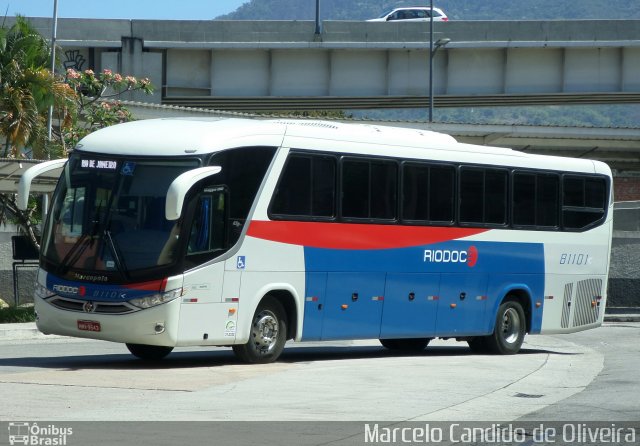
{"x": 407, "y": 345}
{"x": 268, "y": 334}
{"x": 149, "y": 352}
{"x": 509, "y": 330}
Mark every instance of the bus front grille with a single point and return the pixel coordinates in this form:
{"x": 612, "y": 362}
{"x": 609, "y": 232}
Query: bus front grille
{"x": 79, "y": 306}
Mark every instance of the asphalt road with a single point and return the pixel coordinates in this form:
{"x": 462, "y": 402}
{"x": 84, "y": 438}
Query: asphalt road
{"x": 587, "y": 376}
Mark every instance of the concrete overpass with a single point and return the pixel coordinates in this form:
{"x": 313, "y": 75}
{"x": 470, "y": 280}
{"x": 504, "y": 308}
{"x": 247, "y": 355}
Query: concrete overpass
{"x": 278, "y": 65}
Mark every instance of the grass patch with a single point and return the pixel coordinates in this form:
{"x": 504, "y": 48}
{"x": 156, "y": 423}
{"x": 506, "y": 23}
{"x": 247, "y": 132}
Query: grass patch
{"x": 14, "y": 315}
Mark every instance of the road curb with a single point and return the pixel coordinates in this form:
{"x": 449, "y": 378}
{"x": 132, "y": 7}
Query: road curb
{"x": 28, "y": 330}
{"x": 622, "y": 314}
{"x": 622, "y": 317}
{"x": 19, "y": 331}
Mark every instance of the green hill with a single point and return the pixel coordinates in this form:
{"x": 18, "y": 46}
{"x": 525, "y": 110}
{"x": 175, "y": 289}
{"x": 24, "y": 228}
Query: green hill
{"x": 455, "y": 9}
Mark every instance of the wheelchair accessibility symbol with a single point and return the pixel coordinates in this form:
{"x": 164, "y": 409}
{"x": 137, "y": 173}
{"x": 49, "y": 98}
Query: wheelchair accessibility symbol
{"x": 240, "y": 264}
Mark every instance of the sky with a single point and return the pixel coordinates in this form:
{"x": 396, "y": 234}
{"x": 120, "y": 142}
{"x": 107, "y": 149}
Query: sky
{"x": 122, "y": 9}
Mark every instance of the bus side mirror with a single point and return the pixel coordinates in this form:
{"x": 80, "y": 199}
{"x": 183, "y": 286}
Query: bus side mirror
{"x": 181, "y": 186}
{"x": 24, "y": 186}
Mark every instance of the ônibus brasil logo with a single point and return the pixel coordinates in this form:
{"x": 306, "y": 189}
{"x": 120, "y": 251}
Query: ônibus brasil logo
{"x": 468, "y": 256}
{"x": 26, "y": 433}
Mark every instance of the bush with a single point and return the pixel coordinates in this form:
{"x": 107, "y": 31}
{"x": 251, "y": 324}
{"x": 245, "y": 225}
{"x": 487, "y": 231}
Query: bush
{"x": 13, "y": 315}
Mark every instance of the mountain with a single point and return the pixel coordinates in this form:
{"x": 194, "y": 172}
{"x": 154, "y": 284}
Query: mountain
{"x": 455, "y": 9}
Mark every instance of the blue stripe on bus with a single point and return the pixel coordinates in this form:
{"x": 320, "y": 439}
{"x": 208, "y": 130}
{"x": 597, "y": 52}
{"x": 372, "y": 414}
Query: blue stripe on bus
{"x": 102, "y": 292}
{"x": 446, "y": 289}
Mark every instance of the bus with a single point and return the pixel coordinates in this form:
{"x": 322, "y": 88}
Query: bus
{"x": 248, "y": 233}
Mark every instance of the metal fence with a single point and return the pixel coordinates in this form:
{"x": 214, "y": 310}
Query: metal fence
{"x": 624, "y": 273}
{"x": 24, "y": 281}
{"x": 626, "y": 216}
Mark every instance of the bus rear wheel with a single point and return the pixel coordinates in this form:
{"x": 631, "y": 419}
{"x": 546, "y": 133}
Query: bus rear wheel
{"x": 407, "y": 345}
{"x": 508, "y": 334}
{"x": 149, "y": 352}
{"x": 268, "y": 334}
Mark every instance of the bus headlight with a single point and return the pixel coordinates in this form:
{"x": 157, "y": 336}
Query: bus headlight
{"x": 42, "y": 292}
{"x": 156, "y": 299}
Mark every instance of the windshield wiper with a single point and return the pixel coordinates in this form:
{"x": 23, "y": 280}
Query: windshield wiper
{"x": 117, "y": 258}
{"x": 80, "y": 246}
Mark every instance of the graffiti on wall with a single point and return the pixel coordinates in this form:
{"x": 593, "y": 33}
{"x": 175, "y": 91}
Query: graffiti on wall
{"x": 74, "y": 59}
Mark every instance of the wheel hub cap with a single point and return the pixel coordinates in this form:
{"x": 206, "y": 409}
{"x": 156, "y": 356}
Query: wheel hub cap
{"x": 510, "y": 326}
{"x": 265, "y": 332}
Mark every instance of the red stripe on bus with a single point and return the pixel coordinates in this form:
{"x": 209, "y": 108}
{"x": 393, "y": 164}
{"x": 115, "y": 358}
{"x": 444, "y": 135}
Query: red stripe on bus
{"x": 154, "y": 285}
{"x": 354, "y": 236}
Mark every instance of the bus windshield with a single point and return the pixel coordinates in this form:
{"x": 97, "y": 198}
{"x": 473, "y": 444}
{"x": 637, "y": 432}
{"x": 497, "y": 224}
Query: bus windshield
{"x": 108, "y": 215}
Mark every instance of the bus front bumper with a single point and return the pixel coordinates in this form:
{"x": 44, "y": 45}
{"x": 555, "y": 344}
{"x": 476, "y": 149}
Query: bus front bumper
{"x": 152, "y": 326}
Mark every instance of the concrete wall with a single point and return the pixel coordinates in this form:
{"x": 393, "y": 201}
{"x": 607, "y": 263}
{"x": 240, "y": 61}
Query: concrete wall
{"x": 624, "y": 274}
{"x": 626, "y": 188}
{"x": 624, "y": 280}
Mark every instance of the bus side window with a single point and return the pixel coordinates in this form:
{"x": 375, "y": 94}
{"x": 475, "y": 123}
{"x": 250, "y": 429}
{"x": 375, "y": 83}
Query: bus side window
{"x": 524, "y": 199}
{"x": 428, "y": 193}
{"x": 306, "y": 189}
{"x": 583, "y": 201}
{"x": 369, "y": 188}
{"x": 208, "y": 231}
{"x": 483, "y": 196}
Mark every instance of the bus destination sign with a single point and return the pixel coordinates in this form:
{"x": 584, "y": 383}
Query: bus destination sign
{"x": 98, "y": 164}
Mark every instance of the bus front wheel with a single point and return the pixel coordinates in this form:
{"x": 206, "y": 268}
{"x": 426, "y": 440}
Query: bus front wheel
{"x": 149, "y": 352}
{"x": 268, "y": 334}
{"x": 511, "y": 326}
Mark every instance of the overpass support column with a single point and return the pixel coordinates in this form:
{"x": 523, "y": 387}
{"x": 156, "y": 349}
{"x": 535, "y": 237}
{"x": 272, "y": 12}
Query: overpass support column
{"x": 131, "y": 56}
{"x": 134, "y": 61}
{"x": 630, "y": 69}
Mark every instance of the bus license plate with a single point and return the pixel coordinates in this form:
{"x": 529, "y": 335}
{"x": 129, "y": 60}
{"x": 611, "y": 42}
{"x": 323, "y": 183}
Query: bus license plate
{"x": 89, "y": 325}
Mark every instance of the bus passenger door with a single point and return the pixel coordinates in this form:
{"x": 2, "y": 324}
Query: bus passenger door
{"x": 463, "y": 299}
{"x": 353, "y": 305}
{"x": 410, "y": 306}
{"x": 200, "y": 309}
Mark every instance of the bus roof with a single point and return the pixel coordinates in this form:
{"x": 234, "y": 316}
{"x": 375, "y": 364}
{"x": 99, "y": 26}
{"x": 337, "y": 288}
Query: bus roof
{"x": 183, "y": 136}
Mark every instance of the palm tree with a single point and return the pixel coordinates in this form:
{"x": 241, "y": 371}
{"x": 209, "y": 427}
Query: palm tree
{"x": 27, "y": 87}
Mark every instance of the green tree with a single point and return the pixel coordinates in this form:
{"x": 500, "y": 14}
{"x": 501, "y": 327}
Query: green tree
{"x": 82, "y": 101}
{"x": 26, "y": 85}
{"x": 96, "y": 105}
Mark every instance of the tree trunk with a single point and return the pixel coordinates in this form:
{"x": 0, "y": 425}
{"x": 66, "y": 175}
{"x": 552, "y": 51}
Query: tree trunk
{"x": 23, "y": 218}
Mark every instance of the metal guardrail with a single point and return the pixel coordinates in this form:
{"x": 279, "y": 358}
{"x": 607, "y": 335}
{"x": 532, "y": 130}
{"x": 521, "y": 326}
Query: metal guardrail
{"x": 273, "y": 103}
{"x": 26, "y": 259}
{"x": 626, "y": 216}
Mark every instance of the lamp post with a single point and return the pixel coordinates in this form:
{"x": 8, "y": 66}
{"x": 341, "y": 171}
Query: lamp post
{"x": 432, "y": 51}
{"x": 318, "y": 22}
{"x": 54, "y": 30}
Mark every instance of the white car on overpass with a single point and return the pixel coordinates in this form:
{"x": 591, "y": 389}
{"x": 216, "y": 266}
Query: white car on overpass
{"x": 412, "y": 14}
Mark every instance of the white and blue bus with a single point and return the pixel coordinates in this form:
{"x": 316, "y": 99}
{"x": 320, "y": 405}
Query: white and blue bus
{"x": 248, "y": 233}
